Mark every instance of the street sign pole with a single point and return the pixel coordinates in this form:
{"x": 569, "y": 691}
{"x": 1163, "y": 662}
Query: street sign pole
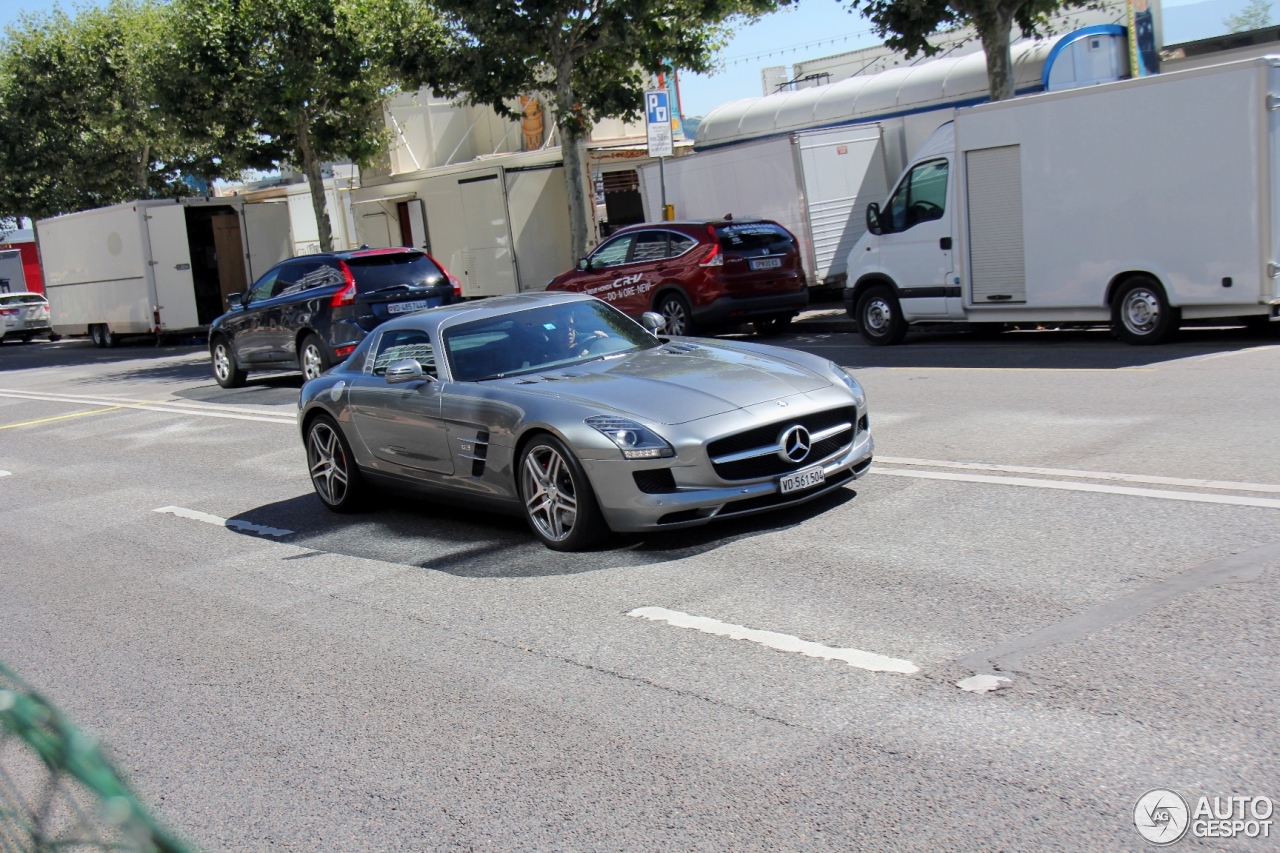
{"x": 657, "y": 109}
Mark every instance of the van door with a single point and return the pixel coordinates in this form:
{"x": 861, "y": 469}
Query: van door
{"x": 489, "y": 266}
{"x": 915, "y": 248}
{"x": 268, "y": 236}
{"x": 171, "y": 266}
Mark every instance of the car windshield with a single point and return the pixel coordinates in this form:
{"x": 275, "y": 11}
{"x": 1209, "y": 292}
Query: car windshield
{"x": 541, "y": 338}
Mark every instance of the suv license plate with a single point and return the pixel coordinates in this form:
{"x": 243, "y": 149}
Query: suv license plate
{"x": 405, "y": 307}
{"x": 766, "y": 263}
{"x": 802, "y": 480}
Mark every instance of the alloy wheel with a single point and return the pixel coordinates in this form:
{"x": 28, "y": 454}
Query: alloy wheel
{"x": 673, "y": 312}
{"x": 328, "y": 463}
{"x": 312, "y": 364}
{"x": 221, "y": 362}
{"x": 550, "y": 495}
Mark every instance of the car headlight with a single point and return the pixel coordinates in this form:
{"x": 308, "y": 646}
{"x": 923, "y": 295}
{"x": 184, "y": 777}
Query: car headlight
{"x": 635, "y": 441}
{"x": 845, "y": 375}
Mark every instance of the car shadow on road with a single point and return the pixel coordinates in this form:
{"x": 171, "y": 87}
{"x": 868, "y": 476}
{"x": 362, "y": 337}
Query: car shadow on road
{"x": 79, "y": 352}
{"x": 474, "y": 544}
{"x": 1047, "y": 349}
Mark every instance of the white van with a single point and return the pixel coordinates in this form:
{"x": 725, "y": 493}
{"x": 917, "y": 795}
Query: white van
{"x": 1140, "y": 203}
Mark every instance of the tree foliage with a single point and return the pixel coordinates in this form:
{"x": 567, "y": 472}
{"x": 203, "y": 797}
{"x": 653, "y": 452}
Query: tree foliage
{"x": 590, "y": 58}
{"x": 1255, "y": 16}
{"x": 907, "y": 24}
{"x": 79, "y": 123}
{"x": 296, "y": 81}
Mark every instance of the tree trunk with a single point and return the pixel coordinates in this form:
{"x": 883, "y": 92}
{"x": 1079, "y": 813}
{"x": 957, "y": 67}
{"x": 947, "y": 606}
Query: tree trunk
{"x": 315, "y": 182}
{"x": 144, "y": 164}
{"x": 573, "y": 147}
{"x": 995, "y": 31}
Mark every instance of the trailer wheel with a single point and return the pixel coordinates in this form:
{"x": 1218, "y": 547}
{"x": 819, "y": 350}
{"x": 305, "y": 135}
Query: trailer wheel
{"x": 879, "y": 317}
{"x": 102, "y": 337}
{"x": 1141, "y": 314}
{"x": 225, "y": 370}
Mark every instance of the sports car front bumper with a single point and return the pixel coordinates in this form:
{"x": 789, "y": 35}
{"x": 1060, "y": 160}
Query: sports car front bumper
{"x": 627, "y": 509}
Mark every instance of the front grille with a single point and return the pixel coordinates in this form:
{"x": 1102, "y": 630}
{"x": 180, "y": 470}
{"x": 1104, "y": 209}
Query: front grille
{"x": 771, "y": 464}
{"x": 655, "y": 481}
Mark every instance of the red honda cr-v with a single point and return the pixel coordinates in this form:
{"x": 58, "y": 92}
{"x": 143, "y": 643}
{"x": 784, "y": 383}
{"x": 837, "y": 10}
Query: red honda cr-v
{"x": 697, "y": 274}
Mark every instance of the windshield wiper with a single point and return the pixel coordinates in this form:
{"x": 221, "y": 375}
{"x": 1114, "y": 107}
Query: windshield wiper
{"x": 391, "y": 287}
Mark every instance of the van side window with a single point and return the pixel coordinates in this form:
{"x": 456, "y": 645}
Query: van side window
{"x": 922, "y": 197}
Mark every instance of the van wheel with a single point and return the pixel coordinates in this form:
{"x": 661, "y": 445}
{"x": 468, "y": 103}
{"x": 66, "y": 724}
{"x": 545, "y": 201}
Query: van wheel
{"x": 225, "y": 370}
{"x": 1140, "y": 313}
{"x": 879, "y": 317}
{"x": 675, "y": 310}
{"x": 313, "y": 357}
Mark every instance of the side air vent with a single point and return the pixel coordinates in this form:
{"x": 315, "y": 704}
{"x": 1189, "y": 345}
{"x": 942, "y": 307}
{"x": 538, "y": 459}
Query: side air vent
{"x": 655, "y": 481}
{"x": 476, "y": 449}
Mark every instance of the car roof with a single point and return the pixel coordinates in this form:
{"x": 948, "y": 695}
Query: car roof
{"x": 350, "y": 254}
{"x": 24, "y": 293}
{"x": 693, "y": 223}
{"x": 485, "y": 309}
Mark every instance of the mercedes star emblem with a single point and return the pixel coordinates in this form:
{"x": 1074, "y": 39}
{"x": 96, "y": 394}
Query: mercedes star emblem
{"x": 794, "y": 444}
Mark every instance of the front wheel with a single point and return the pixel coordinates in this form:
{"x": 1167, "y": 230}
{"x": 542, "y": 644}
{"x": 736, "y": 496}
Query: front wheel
{"x": 313, "y": 357}
{"x": 1141, "y": 314}
{"x": 559, "y": 503}
{"x": 333, "y": 469}
{"x": 880, "y": 320}
{"x": 674, "y": 308}
{"x": 225, "y": 370}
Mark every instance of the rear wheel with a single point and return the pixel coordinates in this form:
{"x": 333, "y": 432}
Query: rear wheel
{"x": 225, "y": 370}
{"x": 559, "y": 503}
{"x": 880, "y": 320}
{"x": 313, "y": 357}
{"x": 333, "y": 469}
{"x": 674, "y": 308}
{"x": 1140, "y": 313}
{"x": 771, "y": 326}
{"x": 102, "y": 337}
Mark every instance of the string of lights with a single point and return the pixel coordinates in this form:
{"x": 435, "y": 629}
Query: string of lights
{"x": 794, "y": 48}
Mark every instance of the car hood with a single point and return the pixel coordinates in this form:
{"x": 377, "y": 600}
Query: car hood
{"x": 675, "y": 383}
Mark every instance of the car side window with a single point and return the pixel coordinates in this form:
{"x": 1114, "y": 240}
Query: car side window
{"x": 613, "y": 253}
{"x": 680, "y": 243}
{"x": 399, "y": 344}
{"x": 265, "y": 288}
{"x": 649, "y": 246}
{"x": 301, "y": 276}
{"x": 922, "y": 197}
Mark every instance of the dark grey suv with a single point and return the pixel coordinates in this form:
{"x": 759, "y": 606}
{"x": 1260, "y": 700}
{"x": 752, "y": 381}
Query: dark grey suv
{"x": 311, "y": 312}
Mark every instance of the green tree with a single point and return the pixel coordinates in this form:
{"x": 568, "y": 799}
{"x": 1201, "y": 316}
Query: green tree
{"x": 79, "y": 122}
{"x": 297, "y": 81}
{"x": 907, "y": 24}
{"x": 1255, "y": 16}
{"x": 590, "y": 58}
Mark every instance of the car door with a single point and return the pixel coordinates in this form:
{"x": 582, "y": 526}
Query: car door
{"x": 401, "y": 424}
{"x": 915, "y": 250}
{"x": 650, "y": 254}
{"x": 243, "y": 325}
{"x": 603, "y": 267}
{"x": 288, "y": 311}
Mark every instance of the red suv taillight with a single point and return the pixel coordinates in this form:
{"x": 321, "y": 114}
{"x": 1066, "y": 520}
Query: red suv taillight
{"x": 347, "y": 295}
{"x": 712, "y": 258}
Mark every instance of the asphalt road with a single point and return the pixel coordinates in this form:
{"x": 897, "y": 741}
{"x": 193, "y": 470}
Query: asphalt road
{"x": 1094, "y": 527}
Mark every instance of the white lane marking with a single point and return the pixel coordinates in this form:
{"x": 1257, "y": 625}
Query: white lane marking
{"x": 168, "y": 406}
{"x": 1226, "y": 485}
{"x": 774, "y": 640}
{"x": 983, "y": 683}
{"x": 5, "y": 473}
{"x": 1229, "y": 353}
{"x": 234, "y": 524}
{"x": 1231, "y": 500}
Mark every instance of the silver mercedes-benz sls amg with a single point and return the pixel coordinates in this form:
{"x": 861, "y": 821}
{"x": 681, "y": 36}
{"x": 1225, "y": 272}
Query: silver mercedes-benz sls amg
{"x": 558, "y": 407}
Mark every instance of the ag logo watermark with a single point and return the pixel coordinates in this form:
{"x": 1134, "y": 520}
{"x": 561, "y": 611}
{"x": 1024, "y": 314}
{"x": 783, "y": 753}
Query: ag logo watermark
{"x": 1163, "y": 817}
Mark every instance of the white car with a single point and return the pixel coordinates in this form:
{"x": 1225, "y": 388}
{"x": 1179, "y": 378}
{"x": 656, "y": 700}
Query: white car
{"x": 23, "y": 316}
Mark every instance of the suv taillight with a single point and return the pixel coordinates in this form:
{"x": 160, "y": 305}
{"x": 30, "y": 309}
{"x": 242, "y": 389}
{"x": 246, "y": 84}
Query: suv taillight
{"x": 347, "y": 295}
{"x": 712, "y": 258}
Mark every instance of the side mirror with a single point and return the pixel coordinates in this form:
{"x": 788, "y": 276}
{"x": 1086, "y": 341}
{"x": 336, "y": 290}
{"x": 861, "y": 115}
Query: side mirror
{"x": 584, "y": 264}
{"x": 235, "y": 300}
{"x": 406, "y": 370}
{"x": 653, "y": 321}
{"x": 873, "y": 219}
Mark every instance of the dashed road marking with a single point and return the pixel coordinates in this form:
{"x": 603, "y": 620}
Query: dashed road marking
{"x": 1225, "y": 485}
{"x": 1230, "y": 500}
{"x": 234, "y": 523}
{"x": 782, "y": 642}
{"x": 177, "y": 407}
{"x": 5, "y": 473}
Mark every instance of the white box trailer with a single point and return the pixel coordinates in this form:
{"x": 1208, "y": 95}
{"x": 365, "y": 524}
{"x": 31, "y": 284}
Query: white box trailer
{"x": 500, "y": 227}
{"x": 815, "y": 183}
{"x": 1139, "y": 203}
{"x": 157, "y": 267}
{"x": 12, "y": 276}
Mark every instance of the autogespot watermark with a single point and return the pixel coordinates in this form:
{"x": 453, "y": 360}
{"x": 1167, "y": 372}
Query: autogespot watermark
{"x": 1163, "y": 817}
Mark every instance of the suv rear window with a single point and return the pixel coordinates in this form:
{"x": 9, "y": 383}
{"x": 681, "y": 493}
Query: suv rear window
{"x": 378, "y": 272}
{"x": 22, "y": 299}
{"x": 749, "y": 236}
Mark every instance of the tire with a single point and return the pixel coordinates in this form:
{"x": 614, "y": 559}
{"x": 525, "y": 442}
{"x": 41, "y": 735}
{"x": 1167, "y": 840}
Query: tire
{"x": 773, "y": 326}
{"x": 1258, "y": 323}
{"x": 879, "y": 317}
{"x": 1140, "y": 313}
{"x": 313, "y": 357}
{"x": 675, "y": 309}
{"x": 54, "y": 337}
{"x": 558, "y": 500}
{"x": 333, "y": 470}
{"x": 226, "y": 371}
{"x": 26, "y": 339}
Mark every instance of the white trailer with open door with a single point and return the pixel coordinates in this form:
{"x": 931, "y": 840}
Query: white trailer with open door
{"x": 815, "y": 183}
{"x": 500, "y": 225}
{"x": 155, "y": 267}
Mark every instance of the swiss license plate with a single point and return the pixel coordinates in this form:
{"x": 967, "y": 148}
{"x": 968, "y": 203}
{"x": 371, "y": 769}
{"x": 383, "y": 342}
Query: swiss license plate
{"x": 405, "y": 307}
{"x": 36, "y": 324}
{"x": 766, "y": 263}
{"x": 805, "y": 479}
